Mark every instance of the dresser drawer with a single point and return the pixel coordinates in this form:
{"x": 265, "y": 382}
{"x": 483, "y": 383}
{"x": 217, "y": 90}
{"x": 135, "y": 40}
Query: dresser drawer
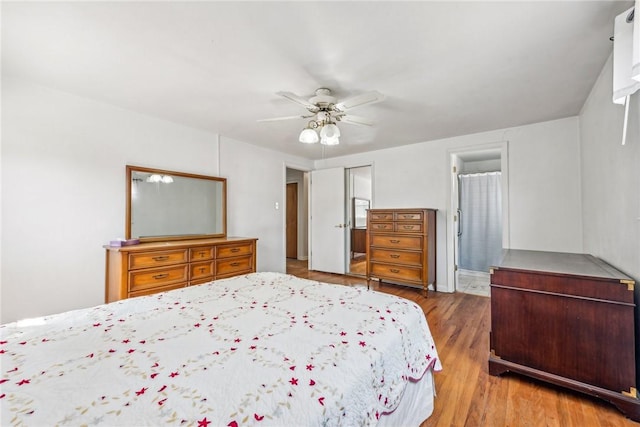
{"x": 201, "y": 254}
{"x": 239, "y": 249}
{"x": 233, "y": 266}
{"x": 394, "y": 241}
{"x": 201, "y": 281}
{"x": 151, "y": 291}
{"x": 199, "y": 270}
{"x": 400, "y": 257}
{"x": 163, "y": 265}
{"x": 157, "y": 258}
{"x": 408, "y": 216}
{"x": 381, "y": 216}
{"x": 397, "y": 272}
{"x": 381, "y": 226}
{"x": 148, "y": 279}
{"x": 408, "y": 227}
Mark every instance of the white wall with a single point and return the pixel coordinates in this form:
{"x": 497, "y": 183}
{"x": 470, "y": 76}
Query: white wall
{"x": 63, "y": 190}
{"x": 360, "y": 182}
{"x": 544, "y": 183}
{"x": 256, "y": 181}
{"x": 610, "y": 178}
{"x": 611, "y": 184}
{"x": 63, "y": 161}
{"x": 481, "y": 166}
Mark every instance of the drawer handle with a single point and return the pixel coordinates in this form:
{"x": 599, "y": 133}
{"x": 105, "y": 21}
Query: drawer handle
{"x": 234, "y": 264}
{"x": 382, "y": 226}
{"x": 160, "y": 276}
{"x": 161, "y": 258}
{"x": 394, "y": 241}
{"x": 408, "y": 216}
{"x": 235, "y": 250}
{"x": 394, "y": 256}
{"x": 202, "y": 269}
{"x": 394, "y": 270}
{"x": 408, "y": 227}
{"x": 202, "y": 254}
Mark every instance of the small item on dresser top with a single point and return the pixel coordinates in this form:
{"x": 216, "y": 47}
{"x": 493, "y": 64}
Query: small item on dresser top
{"x": 123, "y": 242}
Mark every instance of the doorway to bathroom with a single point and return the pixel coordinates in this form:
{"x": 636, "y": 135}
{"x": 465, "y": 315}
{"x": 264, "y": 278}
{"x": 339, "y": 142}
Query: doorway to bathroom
{"x": 478, "y": 190}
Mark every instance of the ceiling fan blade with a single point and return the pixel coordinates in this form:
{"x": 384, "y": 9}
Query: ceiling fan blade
{"x": 275, "y": 119}
{"x": 360, "y": 100}
{"x": 355, "y": 120}
{"x": 298, "y": 100}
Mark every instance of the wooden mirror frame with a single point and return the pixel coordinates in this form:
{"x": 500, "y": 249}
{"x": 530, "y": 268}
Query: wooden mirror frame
{"x": 131, "y": 169}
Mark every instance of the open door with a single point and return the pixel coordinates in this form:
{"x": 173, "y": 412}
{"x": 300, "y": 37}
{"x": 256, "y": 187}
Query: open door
{"x": 327, "y": 223}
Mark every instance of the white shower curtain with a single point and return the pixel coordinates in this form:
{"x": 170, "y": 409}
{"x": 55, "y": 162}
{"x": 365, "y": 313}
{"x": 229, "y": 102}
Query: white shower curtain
{"x": 481, "y": 220}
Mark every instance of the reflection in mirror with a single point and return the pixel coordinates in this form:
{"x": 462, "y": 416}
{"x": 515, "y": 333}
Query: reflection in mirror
{"x": 165, "y": 205}
{"x": 359, "y": 210}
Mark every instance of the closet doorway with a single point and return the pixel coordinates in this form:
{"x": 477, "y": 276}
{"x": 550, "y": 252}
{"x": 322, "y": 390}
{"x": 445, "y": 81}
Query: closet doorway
{"x": 296, "y": 214}
{"x": 292, "y": 220}
{"x": 478, "y": 190}
{"x": 337, "y": 219}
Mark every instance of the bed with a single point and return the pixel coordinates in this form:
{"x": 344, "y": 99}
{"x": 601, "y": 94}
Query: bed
{"x": 262, "y": 349}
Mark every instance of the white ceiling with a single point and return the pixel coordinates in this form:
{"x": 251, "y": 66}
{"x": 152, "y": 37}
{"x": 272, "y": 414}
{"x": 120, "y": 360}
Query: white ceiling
{"x": 446, "y": 68}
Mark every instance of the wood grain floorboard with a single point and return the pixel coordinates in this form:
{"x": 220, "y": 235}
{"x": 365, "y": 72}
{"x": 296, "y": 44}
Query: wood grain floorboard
{"x": 466, "y": 394}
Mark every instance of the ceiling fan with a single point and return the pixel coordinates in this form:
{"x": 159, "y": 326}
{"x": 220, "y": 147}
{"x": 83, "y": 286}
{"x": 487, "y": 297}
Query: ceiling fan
{"x": 326, "y": 111}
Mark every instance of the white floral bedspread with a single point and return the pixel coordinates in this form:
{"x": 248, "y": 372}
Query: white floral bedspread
{"x": 262, "y": 349}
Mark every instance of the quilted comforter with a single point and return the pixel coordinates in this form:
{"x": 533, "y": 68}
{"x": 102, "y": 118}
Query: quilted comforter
{"x": 262, "y": 349}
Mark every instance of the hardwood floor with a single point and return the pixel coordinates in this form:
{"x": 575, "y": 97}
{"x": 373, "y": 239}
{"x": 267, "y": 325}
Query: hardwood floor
{"x": 358, "y": 266}
{"x": 466, "y": 394}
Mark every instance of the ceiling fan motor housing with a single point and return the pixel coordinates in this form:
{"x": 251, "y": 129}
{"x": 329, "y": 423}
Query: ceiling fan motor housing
{"x": 323, "y": 98}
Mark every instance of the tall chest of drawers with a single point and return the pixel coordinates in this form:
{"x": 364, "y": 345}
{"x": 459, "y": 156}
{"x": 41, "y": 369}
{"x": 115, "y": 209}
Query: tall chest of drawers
{"x": 401, "y": 246}
{"x": 148, "y": 268}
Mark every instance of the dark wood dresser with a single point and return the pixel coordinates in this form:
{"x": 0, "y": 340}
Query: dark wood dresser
{"x": 567, "y": 319}
{"x": 401, "y": 246}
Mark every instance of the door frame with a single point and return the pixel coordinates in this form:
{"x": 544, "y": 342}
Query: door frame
{"x": 305, "y": 188}
{"x": 452, "y": 225}
{"x": 288, "y": 165}
{"x": 292, "y": 215}
{"x": 349, "y": 209}
{"x": 372, "y": 204}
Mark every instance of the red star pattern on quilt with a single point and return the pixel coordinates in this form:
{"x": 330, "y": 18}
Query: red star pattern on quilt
{"x": 175, "y": 356}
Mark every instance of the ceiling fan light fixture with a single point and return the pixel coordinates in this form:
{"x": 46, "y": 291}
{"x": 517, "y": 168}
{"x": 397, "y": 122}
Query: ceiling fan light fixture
{"x": 308, "y": 136}
{"x": 325, "y": 112}
{"x": 330, "y": 141}
{"x": 329, "y": 131}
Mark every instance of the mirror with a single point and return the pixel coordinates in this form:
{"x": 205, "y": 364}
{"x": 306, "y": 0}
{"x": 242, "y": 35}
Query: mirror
{"x": 166, "y": 205}
{"x": 359, "y": 210}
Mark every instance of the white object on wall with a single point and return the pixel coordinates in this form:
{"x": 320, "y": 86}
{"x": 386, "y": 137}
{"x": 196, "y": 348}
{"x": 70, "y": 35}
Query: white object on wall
{"x": 624, "y": 83}
{"x": 635, "y": 57}
{"x": 626, "y": 62}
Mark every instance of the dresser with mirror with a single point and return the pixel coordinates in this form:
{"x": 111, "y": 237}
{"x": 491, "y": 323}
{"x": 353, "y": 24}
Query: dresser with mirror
{"x": 178, "y": 222}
